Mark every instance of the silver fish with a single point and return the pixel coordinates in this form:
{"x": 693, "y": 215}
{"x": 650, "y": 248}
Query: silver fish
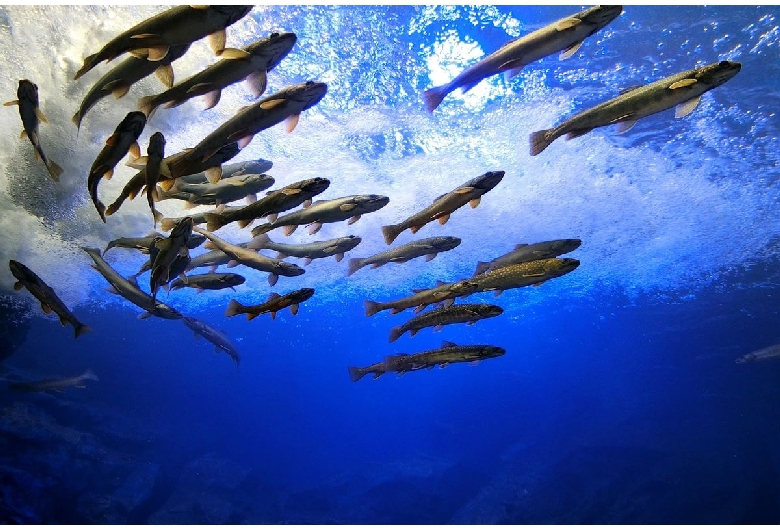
{"x": 309, "y": 251}
{"x": 220, "y": 341}
{"x": 525, "y": 252}
{"x": 258, "y": 166}
{"x": 429, "y": 248}
{"x": 764, "y": 354}
{"x": 449, "y": 353}
{"x": 225, "y": 191}
{"x": 56, "y": 385}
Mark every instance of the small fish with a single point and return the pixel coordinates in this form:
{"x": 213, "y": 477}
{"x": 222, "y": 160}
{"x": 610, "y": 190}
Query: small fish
{"x": 523, "y": 274}
{"x": 138, "y": 181}
{"x": 429, "y": 248}
{"x": 212, "y": 259}
{"x": 139, "y": 243}
{"x": 211, "y": 281}
{"x": 764, "y": 354}
{"x": 128, "y": 288}
{"x": 683, "y": 90}
{"x": 155, "y": 166}
{"x": 274, "y": 304}
{"x": 31, "y": 114}
{"x": 438, "y": 318}
{"x": 154, "y": 37}
{"x": 449, "y": 353}
{"x": 309, "y": 251}
{"x": 56, "y": 385}
{"x": 376, "y": 369}
{"x": 443, "y": 292}
{"x": 258, "y": 166}
{"x": 330, "y": 211}
{"x": 220, "y": 341}
{"x": 287, "y": 104}
{"x": 275, "y": 202}
{"x": 27, "y": 279}
{"x": 468, "y": 193}
{"x": 223, "y": 192}
{"x": 261, "y": 57}
{"x": 253, "y": 260}
{"x": 119, "y": 80}
{"x": 525, "y": 252}
{"x": 124, "y": 140}
{"x": 166, "y": 251}
{"x": 565, "y": 35}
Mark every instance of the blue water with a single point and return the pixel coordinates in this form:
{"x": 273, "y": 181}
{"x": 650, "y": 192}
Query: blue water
{"x": 618, "y": 399}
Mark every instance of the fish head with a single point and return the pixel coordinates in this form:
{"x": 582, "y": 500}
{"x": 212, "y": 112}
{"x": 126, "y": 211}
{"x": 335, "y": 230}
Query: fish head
{"x": 463, "y": 288}
{"x": 371, "y": 203}
{"x": 27, "y": 91}
{"x": 290, "y": 269}
{"x": 349, "y": 242}
{"x": 257, "y": 167}
{"x": 19, "y": 271}
{"x": 562, "y": 246}
{"x": 305, "y": 94}
{"x": 491, "y": 351}
{"x": 133, "y": 123}
{"x": 489, "y": 180}
{"x": 716, "y": 74}
{"x": 301, "y": 295}
{"x": 563, "y": 266}
{"x": 314, "y": 186}
{"x": 600, "y": 16}
{"x": 230, "y": 13}
{"x": 233, "y": 279}
{"x": 182, "y": 229}
{"x": 156, "y": 144}
{"x": 273, "y": 49}
{"x": 445, "y": 243}
{"x": 489, "y": 310}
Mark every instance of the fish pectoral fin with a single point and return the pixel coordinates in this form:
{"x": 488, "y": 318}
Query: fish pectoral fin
{"x": 347, "y": 207}
{"x": 291, "y": 122}
{"x": 157, "y": 53}
{"x": 144, "y": 36}
{"x": 46, "y": 309}
{"x": 685, "y": 108}
{"x": 217, "y": 41}
{"x": 11, "y": 103}
{"x": 243, "y": 142}
{"x": 353, "y": 220}
{"x": 567, "y": 23}
{"x": 624, "y": 126}
{"x": 135, "y": 150}
{"x": 257, "y": 82}
{"x": 571, "y": 50}
{"x": 40, "y": 115}
{"x": 475, "y": 202}
{"x": 214, "y": 174}
{"x": 166, "y": 185}
{"x": 108, "y": 174}
{"x": 444, "y": 218}
{"x": 464, "y": 190}
{"x": 538, "y": 283}
{"x": 165, "y": 74}
{"x": 682, "y": 83}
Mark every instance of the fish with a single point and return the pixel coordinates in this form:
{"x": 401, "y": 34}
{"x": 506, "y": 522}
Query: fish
{"x": 56, "y": 385}
{"x": 523, "y": 274}
{"x": 449, "y": 353}
{"x": 27, "y": 279}
{"x": 154, "y": 37}
{"x": 287, "y": 104}
{"x": 438, "y": 318}
{"x": 376, "y": 369}
{"x": 212, "y": 259}
{"x": 275, "y": 202}
{"x": 261, "y": 57}
{"x": 309, "y": 251}
{"x": 525, "y": 252}
{"x": 565, "y": 35}
{"x": 31, "y": 114}
{"x": 220, "y": 341}
{"x": 124, "y": 139}
{"x": 764, "y": 354}
{"x": 429, "y": 248}
{"x": 274, "y": 304}
{"x": 212, "y": 282}
{"x": 258, "y": 166}
{"x": 683, "y": 90}
{"x": 129, "y": 290}
{"x": 225, "y": 191}
{"x": 138, "y": 243}
{"x": 164, "y": 252}
{"x": 119, "y": 79}
{"x": 166, "y": 223}
{"x": 155, "y": 166}
{"x": 443, "y": 292}
{"x": 138, "y": 181}
{"x": 253, "y": 260}
{"x": 442, "y": 207}
{"x": 329, "y": 211}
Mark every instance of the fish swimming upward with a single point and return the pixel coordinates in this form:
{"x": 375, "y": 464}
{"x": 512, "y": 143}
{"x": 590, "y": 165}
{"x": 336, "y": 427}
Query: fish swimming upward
{"x": 27, "y": 279}
{"x": 124, "y": 140}
{"x": 54, "y": 385}
{"x": 154, "y": 37}
{"x": 683, "y": 90}
{"x": 565, "y": 35}
{"x": 438, "y": 318}
{"x": 261, "y": 57}
{"x": 220, "y": 341}
{"x": 31, "y": 114}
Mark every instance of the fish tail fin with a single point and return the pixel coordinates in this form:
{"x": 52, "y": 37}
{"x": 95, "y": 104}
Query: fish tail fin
{"x": 434, "y": 96}
{"x": 89, "y": 374}
{"x": 355, "y": 373}
{"x": 147, "y": 105}
{"x": 390, "y": 232}
{"x": 396, "y": 333}
{"x": 76, "y": 119}
{"x": 214, "y": 221}
{"x": 539, "y": 141}
{"x": 233, "y": 309}
{"x": 89, "y": 63}
{"x": 80, "y": 329}
{"x": 372, "y": 307}
{"x": 259, "y": 241}
{"x": 354, "y": 265}
{"x": 482, "y": 266}
{"x": 54, "y": 170}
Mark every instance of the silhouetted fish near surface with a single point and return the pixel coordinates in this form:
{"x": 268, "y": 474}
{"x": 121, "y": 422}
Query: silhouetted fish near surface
{"x": 468, "y": 193}
{"x": 225, "y": 191}
{"x": 683, "y": 90}
{"x": 155, "y": 166}
{"x": 309, "y": 251}
{"x": 525, "y": 252}
{"x": 443, "y": 292}
{"x": 523, "y": 274}
{"x": 31, "y": 114}
{"x": 124, "y": 140}
{"x": 258, "y": 166}
{"x": 27, "y": 279}
{"x": 274, "y": 304}
{"x": 261, "y": 57}
{"x": 164, "y": 252}
{"x": 154, "y": 37}
{"x": 220, "y": 341}
{"x": 438, "y": 318}
{"x": 119, "y": 80}
{"x": 565, "y": 35}
{"x": 212, "y": 259}
{"x": 211, "y": 281}
{"x": 166, "y": 223}
{"x": 376, "y": 370}
{"x": 139, "y": 243}
{"x": 449, "y": 353}
{"x": 429, "y": 248}
{"x": 764, "y": 354}
{"x": 55, "y": 385}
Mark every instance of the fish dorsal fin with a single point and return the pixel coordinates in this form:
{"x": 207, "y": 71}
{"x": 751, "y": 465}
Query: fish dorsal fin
{"x": 448, "y": 344}
{"x": 683, "y": 109}
{"x": 567, "y": 23}
{"x": 683, "y": 83}
{"x": 291, "y": 122}
{"x": 571, "y": 50}
{"x": 520, "y": 245}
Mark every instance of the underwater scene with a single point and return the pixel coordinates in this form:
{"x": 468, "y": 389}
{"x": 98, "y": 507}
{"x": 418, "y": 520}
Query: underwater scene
{"x": 403, "y": 264}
